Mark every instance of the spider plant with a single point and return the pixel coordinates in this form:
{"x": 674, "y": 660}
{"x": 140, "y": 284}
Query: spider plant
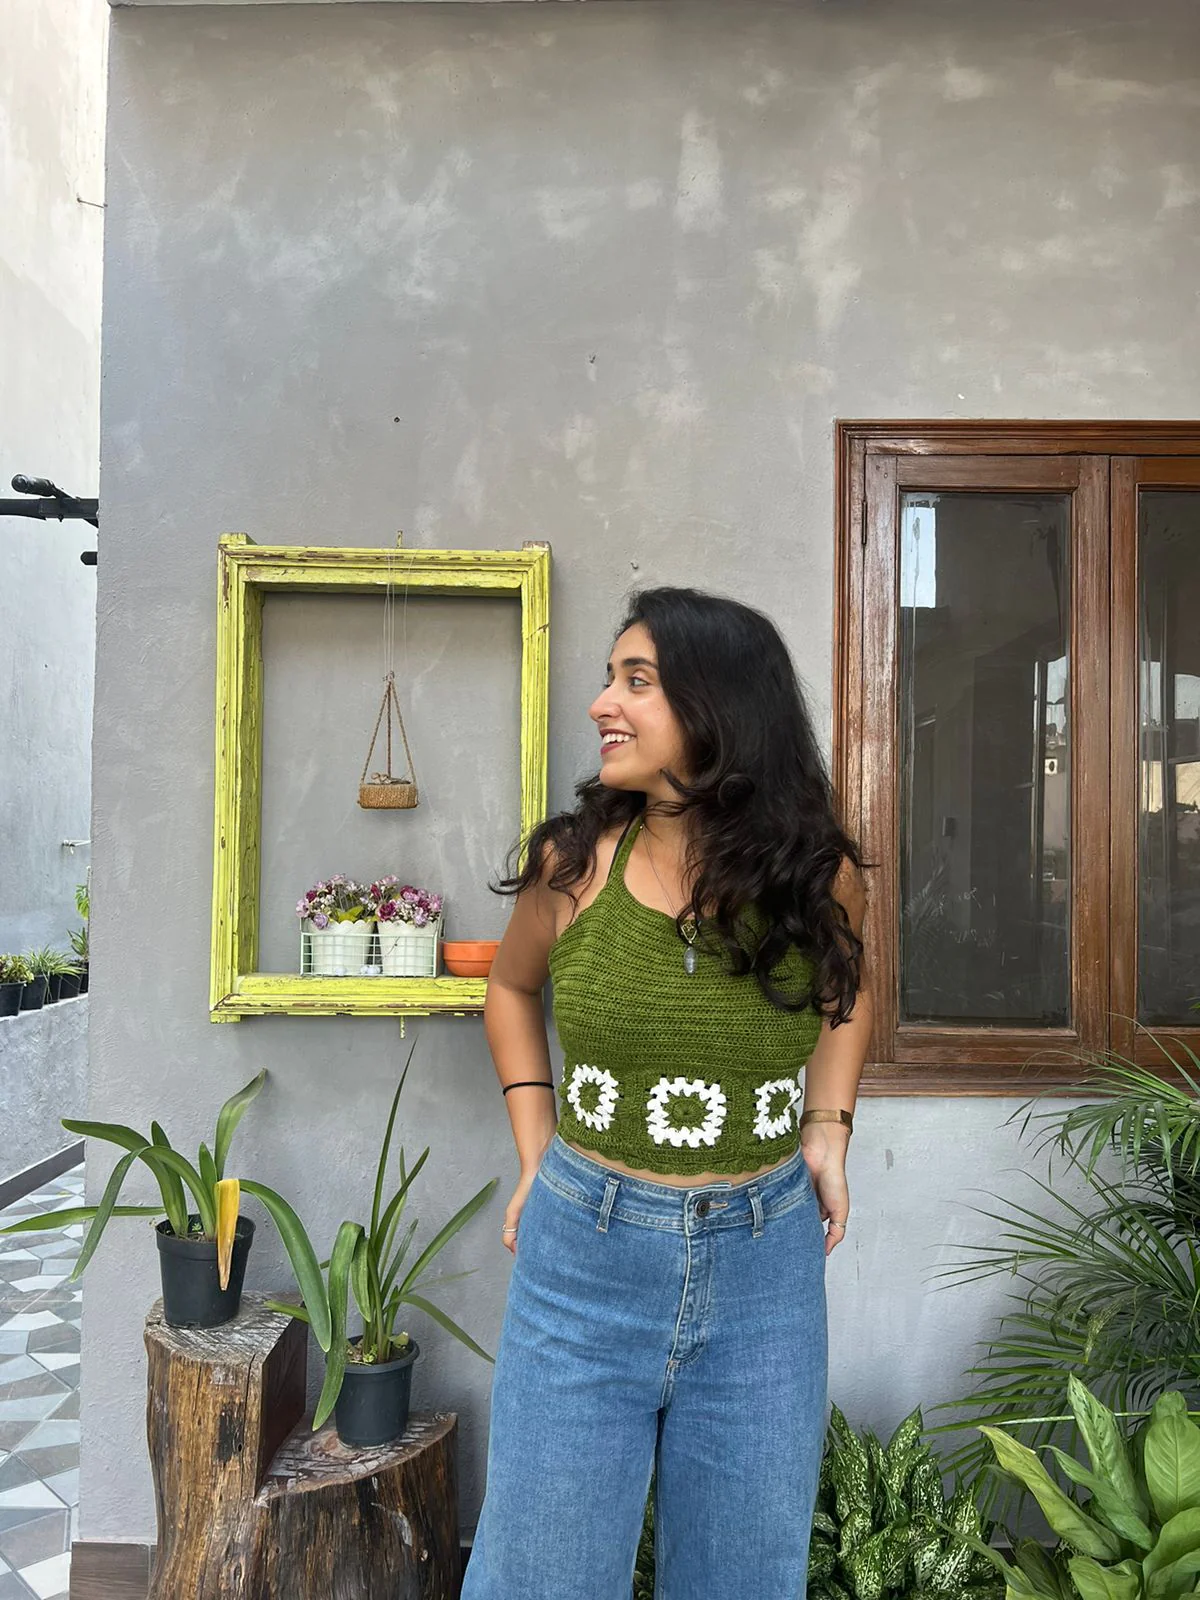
{"x": 369, "y": 1261}
{"x": 1107, "y": 1287}
{"x": 216, "y": 1197}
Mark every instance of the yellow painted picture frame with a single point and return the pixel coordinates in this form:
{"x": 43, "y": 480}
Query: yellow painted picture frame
{"x": 246, "y": 572}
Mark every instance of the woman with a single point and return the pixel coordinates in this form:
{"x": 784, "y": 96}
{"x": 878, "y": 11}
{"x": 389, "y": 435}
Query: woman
{"x": 700, "y": 913}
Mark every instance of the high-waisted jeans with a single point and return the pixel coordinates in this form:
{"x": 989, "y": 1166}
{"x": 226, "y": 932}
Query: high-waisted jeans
{"x": 653, "y": 1327}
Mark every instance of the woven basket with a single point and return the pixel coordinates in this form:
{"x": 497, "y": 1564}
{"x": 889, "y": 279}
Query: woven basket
{"x": 380, "y": 795}
{"x": 383, "y": 792}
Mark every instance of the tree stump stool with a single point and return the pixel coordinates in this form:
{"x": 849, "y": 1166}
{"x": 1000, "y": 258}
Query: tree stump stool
{"x": 252, "y": 1505}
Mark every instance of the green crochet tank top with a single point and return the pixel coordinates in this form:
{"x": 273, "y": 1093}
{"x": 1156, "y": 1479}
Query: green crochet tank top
{"x": 665, "y": 1070}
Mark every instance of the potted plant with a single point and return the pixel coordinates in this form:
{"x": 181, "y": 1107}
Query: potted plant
{"x": 15, "y": 973}
{"x": 410, "y": 925}
{"x": 202, "y": 1253}
{"x": 337, "y": 924}
{"x": 37, "y": 986}
{"x": 78, "y": 937}
{"x": 368, "y": 1377}
{"x": 52, "y": 965}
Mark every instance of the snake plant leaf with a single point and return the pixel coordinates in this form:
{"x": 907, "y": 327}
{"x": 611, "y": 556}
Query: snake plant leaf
{"x": 344, "y": 1246}
{"x": 1094, "y": 1582}
{"x": 1108, "y": 1506}
{"x": 230, "y": 1115}
{"x": 1172, "y": 1460}
{"x": 103, "y": 1211}
{"x": 1084, "y": 1534}
{"x": 1106, "y": 1447}
{"x": 229, "y": 1199}
{"x": 174, "y": 1199}
{"x": 457, "y": 1221}
{"x": 446, "y": 1322}
{"x": 302, "y": 1257}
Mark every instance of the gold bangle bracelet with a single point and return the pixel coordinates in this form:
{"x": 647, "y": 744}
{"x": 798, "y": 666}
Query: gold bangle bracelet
{"x": 844, "y": 1117}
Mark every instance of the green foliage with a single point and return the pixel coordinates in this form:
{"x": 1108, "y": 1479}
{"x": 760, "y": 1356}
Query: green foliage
{"x": 882, "y": 1526}
{"x": 172, "y": 1171}
{"x": 1135, "y": 1532}
{"x": 1107, "y": 1287}
{"x": 48, "y": 962}
{"x": 367, "y": 1261}
{"x": 78, "y": 940}
{"x": 83, "y": 900}
{"x": 15, "y": 969}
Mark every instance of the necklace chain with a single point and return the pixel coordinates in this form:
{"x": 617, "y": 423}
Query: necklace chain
{"x": 689, "y": 922}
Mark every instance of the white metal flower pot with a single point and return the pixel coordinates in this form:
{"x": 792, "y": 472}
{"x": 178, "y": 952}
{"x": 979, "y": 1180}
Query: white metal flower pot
{"x": 339, "y": 951}
{"x": 409, "y": 952}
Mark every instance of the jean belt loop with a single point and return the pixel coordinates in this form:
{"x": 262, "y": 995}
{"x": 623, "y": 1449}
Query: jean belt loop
{"x": 611, "y": 1186}
{"x": 756, "y": 1208}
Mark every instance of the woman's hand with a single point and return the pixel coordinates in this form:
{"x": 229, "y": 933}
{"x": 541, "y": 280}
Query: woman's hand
{"x": 512, "y": 1214}
{"x": 823, "y": 1145}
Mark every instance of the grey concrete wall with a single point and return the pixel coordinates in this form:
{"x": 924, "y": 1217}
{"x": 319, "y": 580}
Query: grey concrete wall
{"x": 604, "y": 275}
{"x": 43, "y": 1078}
{"x": 51, "y": 157}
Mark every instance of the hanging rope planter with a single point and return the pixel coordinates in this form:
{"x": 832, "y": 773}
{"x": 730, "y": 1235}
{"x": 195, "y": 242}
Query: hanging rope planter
{"x": 382, "y": 791}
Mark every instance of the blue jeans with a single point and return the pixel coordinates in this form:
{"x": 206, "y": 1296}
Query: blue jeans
{"x": 646, "y": 1327}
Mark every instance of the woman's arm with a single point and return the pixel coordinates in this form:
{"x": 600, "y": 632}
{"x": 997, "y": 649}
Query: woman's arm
{"x": 832, "y": 1075}
{"x": 514, "y": 1018}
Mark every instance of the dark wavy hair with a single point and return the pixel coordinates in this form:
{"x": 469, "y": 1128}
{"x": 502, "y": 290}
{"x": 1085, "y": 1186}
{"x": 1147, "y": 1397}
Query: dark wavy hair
{"x": 763, "y": 829}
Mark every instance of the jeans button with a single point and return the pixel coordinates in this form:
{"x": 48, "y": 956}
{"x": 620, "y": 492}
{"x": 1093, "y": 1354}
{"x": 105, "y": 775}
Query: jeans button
{"x": 703, "y": 1207}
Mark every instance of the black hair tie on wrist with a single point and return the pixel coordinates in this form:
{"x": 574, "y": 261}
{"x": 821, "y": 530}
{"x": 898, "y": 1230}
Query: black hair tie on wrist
{"x": 529, "y": 1083}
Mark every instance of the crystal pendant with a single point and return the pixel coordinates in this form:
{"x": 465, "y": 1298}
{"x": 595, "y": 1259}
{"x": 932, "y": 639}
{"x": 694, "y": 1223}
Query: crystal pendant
{"x": 689, "y": 960}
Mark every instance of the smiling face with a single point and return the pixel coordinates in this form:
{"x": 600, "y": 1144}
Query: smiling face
{"x": 639, "y": 732}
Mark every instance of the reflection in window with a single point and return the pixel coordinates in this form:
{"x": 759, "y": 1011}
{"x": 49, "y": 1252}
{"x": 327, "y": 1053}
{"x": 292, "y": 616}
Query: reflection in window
{"x": 1169, "y": 719}
{"x": 985, "y": 758}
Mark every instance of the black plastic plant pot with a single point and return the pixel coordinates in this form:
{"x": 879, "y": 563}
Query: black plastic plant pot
{"x": 68, "y": 985}
{"x": 10, "y": 999}
{"x": 83, "y": 980}
{"x": 192, "y": 1293}
{"x": 372, "y": 1406}
{"x": 53, "y": 988}
{"x": 34, "y": 997}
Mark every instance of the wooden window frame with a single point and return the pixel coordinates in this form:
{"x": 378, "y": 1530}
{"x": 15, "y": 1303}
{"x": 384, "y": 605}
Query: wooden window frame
{"x": 1103, "y": 465}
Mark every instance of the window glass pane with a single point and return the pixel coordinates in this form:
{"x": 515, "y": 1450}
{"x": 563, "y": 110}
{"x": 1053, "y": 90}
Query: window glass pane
{"x": 985, "y": 773}
{"x": 1169, "y": 713}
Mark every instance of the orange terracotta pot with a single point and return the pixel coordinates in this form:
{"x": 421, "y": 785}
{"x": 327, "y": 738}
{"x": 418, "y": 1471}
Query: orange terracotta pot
{"x": 469, "y": 958}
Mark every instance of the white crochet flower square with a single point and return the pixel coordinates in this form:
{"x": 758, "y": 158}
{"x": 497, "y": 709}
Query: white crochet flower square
{"x": 668, "y": 1089}
{"x": 601, "y": 1117}
{"x": 765, "y": 1125}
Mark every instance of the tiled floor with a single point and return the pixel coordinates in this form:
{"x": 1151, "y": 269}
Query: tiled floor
{"x": 39, "y": 1398}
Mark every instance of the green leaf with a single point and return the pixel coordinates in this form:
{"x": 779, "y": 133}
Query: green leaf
{"x": 383, "y": 1235}
{"x": 446, "y": 1322}
{"x": 103, "y": 1211}
{"x": 174, "y": 1199}
{"x": 380, "y": 1171}
{"x": 160, "y": 1159}
{"x": 230, "y": 1115}
{"x": 1095, "y": 1582}
{"x": 48, "y": 1220}
{"x": 1083, "y": 1533}
{"x": 1178, "y": 1540}
{"x": 1107, "y": 1503}
{"x": 289, "y": 1309}
{"x": 344, "y": 1246}
{"x": 457, "y": 1221}
{"x": 360, "y": 1278}
{"x": 208, "y": 1172}
{"x": 1172, "y": 1461}
{"x": 1106, "y": 1447}
{"x": 302, "y": 1256}
{"x": 112, "y": 1132}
